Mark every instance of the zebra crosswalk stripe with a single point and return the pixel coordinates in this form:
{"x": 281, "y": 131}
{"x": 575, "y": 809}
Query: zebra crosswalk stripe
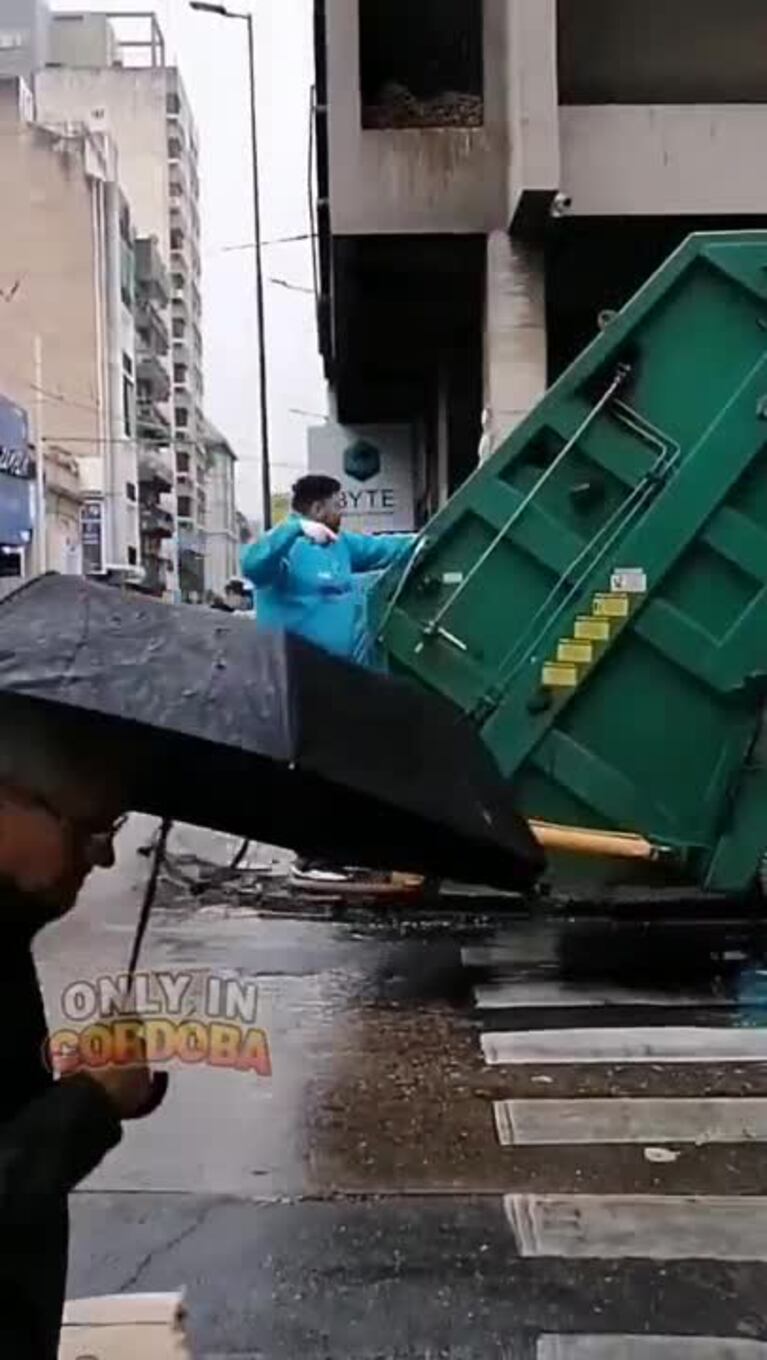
{"x": 668, "y": 1044}
{"x": 649, "y": 1348}
{"x": 644, "y": 1227}
{"x": 631, "y": 1120}
{"x": 518, "y": 995}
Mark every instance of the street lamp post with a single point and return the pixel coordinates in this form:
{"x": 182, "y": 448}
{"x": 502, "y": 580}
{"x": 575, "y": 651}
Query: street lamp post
{"x": 209, "y": 7}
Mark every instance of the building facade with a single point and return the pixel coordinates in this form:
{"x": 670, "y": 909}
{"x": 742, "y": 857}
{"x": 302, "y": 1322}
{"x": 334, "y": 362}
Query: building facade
{"x": 123, "y": 85}
{"x": 67, "y": 342}
{"x": 155, "y": 470}
{"x": 492, "y": 175}
{"x": 221, "y": 537}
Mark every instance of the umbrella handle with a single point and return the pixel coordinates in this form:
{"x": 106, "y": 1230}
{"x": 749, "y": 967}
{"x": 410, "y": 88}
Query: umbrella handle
{"x": 160, "y": 1080}
{"x": 148, "y": 902}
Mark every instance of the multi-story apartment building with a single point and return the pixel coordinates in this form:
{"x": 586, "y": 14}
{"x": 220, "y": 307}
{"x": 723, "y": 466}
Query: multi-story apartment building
{"x": 221, "y": 536}
{"x": 125, "y": 86}
{"x": 24, "y": 36}
{"x": 495, "y": 174}
{"x": 156, "y": 474}
{"x": 67, "y": 343}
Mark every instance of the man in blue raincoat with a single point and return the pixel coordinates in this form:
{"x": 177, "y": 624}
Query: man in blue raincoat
{"x": 309, "y": 573}
{"x": 312, "y": 578}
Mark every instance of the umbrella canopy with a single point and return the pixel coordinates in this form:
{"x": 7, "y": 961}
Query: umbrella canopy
{"x": 261, "y": 735}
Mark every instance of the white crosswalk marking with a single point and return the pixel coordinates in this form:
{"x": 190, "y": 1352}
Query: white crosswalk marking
{"x": 646, "y": 1227}
{"x": 617, "y": 1227}
{"x": 537, "y": 946}
{"x": 524, "y": 995}
{"x": 631, "y": 1120}
{"x": 690, "y": 1044}
{"x": 649, "y": 1348}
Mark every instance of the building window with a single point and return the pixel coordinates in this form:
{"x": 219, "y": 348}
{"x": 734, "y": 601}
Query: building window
{"x": 126, "y": 274}
{"x": 185, "y": 507}
{"x": 129, "y": 414}
{"x": 125, "y": 224}
{"x": 179, "y": 329}
{"x": 178, "y": 282}
{"x": 132, "y": 557}
{"x": 10, "y": 563}
{"x": 182, "y": 462}
{"x": 130, "y": 490}
{"x": 421, "y": 64}
{"x": 174, "y": 148}
{"x": 182, "y": 418}
{"x": 179, "y": 374}
{"x": 173, "y": 105}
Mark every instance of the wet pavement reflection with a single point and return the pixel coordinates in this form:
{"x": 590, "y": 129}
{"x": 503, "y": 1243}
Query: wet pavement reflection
{"x": 388, "y": 1190}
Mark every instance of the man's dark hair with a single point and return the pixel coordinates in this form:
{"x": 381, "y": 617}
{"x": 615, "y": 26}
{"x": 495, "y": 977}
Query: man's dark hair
{"x": 308, "y": 490}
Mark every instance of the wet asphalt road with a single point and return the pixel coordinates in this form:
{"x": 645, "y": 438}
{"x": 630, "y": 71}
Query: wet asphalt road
{"x": 358, "y": 1201}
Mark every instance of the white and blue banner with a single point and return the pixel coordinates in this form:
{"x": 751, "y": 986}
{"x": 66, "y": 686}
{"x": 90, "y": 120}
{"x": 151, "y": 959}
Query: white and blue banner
{"x": 17, "y": 472}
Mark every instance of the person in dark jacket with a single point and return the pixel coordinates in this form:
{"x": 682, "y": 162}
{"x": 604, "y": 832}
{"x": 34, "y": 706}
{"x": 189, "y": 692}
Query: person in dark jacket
{"x": 57, "y": 818}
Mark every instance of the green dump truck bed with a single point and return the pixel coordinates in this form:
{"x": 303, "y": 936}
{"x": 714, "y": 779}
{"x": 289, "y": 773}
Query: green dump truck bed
{"x": 595, "y": 596}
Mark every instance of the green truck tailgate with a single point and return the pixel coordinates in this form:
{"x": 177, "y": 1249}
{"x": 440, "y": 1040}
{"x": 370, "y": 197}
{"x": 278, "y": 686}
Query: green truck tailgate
{"x": 595, "y": 596}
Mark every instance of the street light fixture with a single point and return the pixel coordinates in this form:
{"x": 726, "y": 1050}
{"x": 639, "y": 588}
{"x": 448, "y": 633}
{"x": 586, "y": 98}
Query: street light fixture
{"x": 211, "y": 7}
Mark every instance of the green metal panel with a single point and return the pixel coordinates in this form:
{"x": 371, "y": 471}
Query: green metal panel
{"x": 632, "y": 702}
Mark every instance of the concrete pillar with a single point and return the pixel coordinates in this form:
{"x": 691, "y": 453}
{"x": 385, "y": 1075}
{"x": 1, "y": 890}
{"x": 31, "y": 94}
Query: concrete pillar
{"x": 515, "y": 332}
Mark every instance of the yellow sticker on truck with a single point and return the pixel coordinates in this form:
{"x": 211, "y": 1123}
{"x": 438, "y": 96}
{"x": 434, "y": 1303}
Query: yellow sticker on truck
{"x": 611, "y": 606}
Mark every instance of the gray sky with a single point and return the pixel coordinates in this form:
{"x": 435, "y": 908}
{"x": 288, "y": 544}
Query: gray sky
{"x": 211, "y": 53}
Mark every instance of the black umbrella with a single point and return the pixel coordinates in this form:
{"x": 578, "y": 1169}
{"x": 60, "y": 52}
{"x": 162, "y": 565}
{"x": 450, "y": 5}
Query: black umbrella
{"x": 263, "y": 736}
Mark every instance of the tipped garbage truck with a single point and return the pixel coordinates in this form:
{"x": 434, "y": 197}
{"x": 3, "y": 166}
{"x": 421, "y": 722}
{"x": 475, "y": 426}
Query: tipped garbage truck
{"x": 594, "y": 598}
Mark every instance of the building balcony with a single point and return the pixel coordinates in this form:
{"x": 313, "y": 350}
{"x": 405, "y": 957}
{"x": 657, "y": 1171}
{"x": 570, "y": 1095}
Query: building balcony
{"x": 178, "y": 185}
{"x": 400, "y": 174}
{"x": 179, "y": 217}
{"x": 154, "y": 470}
{"x": 152, "y": 280}
{"x": 152, "y": 423}
{"x": 156, "y": 522}
{"x": 151, "y": 328}
{"x": 153, "y": 380}
{"x": 179, "y": 274}
{"x": 177, "y": 140}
